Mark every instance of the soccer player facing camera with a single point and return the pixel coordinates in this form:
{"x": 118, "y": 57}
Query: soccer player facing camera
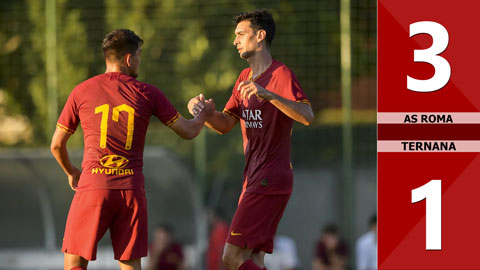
{"x": 266, "y": 99}
{"x": 114, "y": 110}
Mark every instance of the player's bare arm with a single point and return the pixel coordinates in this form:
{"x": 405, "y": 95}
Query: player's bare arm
{"x": 300, "y": 112}
{"x": 59, "y": 151}
{"x": 219, "y": 122}
{"x": 189, "y": 129}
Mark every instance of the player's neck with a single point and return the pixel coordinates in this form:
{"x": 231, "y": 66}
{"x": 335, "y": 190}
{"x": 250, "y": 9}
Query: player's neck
{"x": 115, "y": 67}
{"x": 259, "y": 62}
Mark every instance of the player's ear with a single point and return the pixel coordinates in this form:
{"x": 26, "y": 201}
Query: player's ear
{"x": 261, "y": 35}
{"x": 127, "y": 59}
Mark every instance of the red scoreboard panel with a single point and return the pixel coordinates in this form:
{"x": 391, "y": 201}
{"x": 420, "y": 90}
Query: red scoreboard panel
{"x": 428, "y": 134}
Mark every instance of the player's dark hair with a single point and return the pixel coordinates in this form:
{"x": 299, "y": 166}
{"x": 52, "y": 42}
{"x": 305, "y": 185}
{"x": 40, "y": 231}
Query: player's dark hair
{"x": 259, "y": 19}
{"x": 120, "y": 42}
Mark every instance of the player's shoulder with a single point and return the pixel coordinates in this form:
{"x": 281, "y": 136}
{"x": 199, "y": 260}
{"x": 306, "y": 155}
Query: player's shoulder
{"x": 89, "y": 82}
{"x": 147, "y": 88}
{"x": 149, "y": 91}
{"x": 282, "y": 73}
{"x": 85, "y": 88}
{"x": 280, "y": 68}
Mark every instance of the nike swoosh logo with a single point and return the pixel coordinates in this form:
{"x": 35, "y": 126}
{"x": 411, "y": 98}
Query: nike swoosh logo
{"x": 234, "y": 234}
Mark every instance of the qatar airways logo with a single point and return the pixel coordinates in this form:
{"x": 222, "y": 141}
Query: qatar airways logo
{"x": 253, "y": 118}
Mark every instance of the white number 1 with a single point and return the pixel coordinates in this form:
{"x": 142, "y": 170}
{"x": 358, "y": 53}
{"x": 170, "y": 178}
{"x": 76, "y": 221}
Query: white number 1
{"x": 432, "y": 192}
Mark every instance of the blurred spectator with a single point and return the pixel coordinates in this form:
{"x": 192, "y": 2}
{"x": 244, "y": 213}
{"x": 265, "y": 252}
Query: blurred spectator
{"x": 216, "y": 242}
{"x": 366, "y": 248}
{"x": 331, "y": 251}
{"x": 165, "y": 254}
{"x": 284, "y": 256}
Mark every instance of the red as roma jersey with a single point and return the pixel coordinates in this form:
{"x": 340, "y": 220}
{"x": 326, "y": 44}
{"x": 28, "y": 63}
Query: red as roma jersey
{"x": 266, "y": 130}
{"x": 114, "y": 110}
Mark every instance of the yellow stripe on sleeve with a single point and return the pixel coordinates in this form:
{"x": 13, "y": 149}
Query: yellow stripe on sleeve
{"x": 64, "y": 128}
{"x": 173, "y": 120}
{"x": 231, "y": 114}
{"x": 306, "y": 101}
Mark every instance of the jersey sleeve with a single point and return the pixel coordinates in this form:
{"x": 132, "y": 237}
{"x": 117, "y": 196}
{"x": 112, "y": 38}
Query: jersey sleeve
{"x": 69, "y": 118}
{"x": 163, "y": 108}
{"x": 232, "y": 108}
{"x": 290, "y": 87}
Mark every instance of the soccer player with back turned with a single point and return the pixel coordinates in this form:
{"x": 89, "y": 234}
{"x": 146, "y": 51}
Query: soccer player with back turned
{"x": 265, "y": 100}
{"x": 114, "y": 110}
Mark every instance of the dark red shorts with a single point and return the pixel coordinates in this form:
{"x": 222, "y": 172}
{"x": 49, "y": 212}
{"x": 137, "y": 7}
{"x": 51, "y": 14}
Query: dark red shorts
{"x": 122, "y": 211}
{"x": 256, "y": 220}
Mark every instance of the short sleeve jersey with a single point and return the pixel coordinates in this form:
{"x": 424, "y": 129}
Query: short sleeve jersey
{"x": 266, "y": 130}
{"x": 114, "y": 111}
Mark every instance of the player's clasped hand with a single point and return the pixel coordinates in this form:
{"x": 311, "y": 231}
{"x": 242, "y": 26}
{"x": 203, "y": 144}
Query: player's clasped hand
{"x": 73, "y": 178}
{"x": 209, "y": 108}
{"x": 199, "y": 103}
{"x": 248, "y": 88}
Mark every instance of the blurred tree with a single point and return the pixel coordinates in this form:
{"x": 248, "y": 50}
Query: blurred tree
{"x": 15, "y": 125}
{"x": 73, "y": 56}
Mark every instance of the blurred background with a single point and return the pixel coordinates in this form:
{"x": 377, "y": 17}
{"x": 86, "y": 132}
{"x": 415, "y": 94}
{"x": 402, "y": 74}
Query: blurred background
{"x": 49, "y": 46}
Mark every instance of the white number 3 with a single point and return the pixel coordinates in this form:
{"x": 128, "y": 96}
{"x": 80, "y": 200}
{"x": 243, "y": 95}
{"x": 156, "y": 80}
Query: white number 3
{"x": 442, "y": 68}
